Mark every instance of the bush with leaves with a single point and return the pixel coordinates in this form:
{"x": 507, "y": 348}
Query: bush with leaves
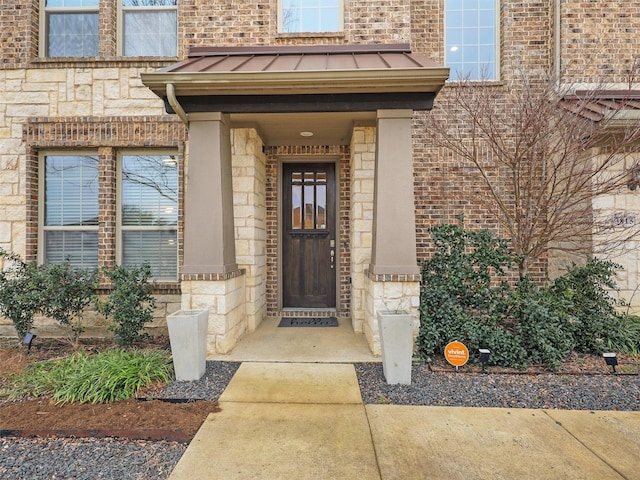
{"x": 65, "y": 292}
{"x": 58, "y": 291}
{"x": 583, "y": 297}
{"x": 19, "y": 295}
{"x": 461, "y": 299}
{"x": 130, "y": 303}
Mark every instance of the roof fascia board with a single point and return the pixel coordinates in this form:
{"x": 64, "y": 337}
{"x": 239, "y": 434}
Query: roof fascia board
{"x": 299, "y": 82}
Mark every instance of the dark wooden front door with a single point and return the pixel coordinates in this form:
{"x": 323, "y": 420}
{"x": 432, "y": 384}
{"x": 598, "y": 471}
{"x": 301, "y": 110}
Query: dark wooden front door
{"x": 308, "y": 236}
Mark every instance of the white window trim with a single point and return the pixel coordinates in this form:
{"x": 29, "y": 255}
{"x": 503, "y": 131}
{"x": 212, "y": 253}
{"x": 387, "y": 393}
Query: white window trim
{"x": 43, "y": 43}
{"x": 122, "y": 228}
{"x": 42, "y": 199}
{"x": 498, "y": 33}
{"x": 120, "y": 24}
{"x": 340, "y": 22}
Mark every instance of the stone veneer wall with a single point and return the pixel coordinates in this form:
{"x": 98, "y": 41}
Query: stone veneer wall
{"x": 363, "y": 160}
{"x": 389, "y": 293}
{"x": 223, "y": 296}
{"x": 249, "y": 205}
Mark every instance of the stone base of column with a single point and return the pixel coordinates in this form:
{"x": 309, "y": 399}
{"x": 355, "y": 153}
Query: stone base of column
{"x": 223, "y": 295}
{"x": 389, "y": 292}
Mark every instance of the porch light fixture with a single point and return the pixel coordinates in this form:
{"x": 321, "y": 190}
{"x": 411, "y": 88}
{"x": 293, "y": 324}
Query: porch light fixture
{"x": 306, "y": 134}
{"x": 28, "y": 340}
{"x": 611, "y": 359}
{"x": 483, "y": 358}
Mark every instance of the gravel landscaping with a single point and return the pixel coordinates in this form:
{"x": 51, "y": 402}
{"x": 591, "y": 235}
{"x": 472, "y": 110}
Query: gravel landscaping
{"x": 68, "y": 458}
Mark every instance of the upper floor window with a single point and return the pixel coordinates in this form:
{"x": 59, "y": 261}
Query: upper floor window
{"x": 70, "y": 223}
{"x": 149, "y": 28}
{"x": 471, "y": 39}
{"x": 310, "y": 16}
{"x": 71, "y": 28}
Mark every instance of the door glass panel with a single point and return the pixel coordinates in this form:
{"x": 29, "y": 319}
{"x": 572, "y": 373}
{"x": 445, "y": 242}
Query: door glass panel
{"x": 309, "y": 204}
{"x": 308, "y": 200}
{"x": 321, "y": 206}
{"x": 296, "y": 207}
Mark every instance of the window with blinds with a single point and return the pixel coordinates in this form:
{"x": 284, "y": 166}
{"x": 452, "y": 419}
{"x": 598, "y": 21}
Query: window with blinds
{"x": 149, "y": 213}
{"x": 70, "y": 226}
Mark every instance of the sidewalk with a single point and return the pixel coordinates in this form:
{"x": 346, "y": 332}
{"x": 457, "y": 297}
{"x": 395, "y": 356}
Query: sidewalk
{"x": 307, "y": 421}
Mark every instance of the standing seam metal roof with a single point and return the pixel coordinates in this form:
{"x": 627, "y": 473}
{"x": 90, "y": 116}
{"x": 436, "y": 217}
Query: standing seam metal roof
{"x": 309, "y": 58}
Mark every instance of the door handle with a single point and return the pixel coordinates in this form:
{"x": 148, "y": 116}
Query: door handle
{"x": 332, "y": 254}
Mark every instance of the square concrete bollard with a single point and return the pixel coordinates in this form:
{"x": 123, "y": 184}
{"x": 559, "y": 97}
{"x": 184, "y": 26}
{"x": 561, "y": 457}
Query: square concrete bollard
{"x": 188, "y": 337}
{"x": 396, "y": 340}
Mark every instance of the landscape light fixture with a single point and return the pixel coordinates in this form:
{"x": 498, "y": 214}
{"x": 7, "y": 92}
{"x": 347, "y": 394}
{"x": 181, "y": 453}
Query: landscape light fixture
{"x": 28, "y": 340}
{"x": 611, "y": 359}
{"x": 484, "y": 357}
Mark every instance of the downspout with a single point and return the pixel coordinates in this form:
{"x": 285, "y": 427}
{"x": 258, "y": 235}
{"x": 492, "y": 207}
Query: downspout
{"x": 173, "y": 101}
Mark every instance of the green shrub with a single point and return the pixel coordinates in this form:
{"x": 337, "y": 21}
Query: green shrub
{"x": 19, "y": 296}
{"x": 65, "y": 292}
{"x": 582, "y": 296}
{"x": 630, "y": 341}
{"x": 130, "y": 304}
{"x": 104, "y": 377}
{"x": 461, "y": 299}
{"x": 59, "y": 291}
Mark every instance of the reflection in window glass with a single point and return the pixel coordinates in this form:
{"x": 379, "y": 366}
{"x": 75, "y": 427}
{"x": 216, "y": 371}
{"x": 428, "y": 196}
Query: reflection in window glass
{"x": 309, "y": 204}
{"x": 150, "y": 28}
{"x": 70, "y": 227}
{"x": 310, "y": 16}
{"x": 71, "y": 28}
{"x": 471, "y": 35}
{"x": 308, "y": 200}
{"x": 149, "y": 213}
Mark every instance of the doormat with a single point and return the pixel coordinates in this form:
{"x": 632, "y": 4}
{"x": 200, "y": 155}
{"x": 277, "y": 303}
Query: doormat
{"x": 309, "y": 322}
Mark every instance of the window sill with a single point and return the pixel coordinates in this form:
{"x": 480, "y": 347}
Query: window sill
{"x": 66, "y": 62}
{"x": 159, "y": 288}
{"x": 298, "y": 35}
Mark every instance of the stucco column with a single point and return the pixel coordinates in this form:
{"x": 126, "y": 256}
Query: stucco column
{"x": 394, "y": 228}
{"x": 209, "y": 243}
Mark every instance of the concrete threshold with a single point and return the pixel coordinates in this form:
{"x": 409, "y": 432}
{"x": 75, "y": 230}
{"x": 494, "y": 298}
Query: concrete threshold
{"x": 307, "y": 421}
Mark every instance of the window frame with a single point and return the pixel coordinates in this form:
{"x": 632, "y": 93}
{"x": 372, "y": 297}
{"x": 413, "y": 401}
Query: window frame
{"x": 42, "y": 203}
{"x": 120, "y": 27}
{"x": 43, "y": 44}
{"x": 120, "y": 228}
{"x": 497, "y": 35}
{"x": 311, "y": 33}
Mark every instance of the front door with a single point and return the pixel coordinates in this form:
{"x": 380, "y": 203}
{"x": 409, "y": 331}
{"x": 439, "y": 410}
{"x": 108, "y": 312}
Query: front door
{"x": 308, "y": 235}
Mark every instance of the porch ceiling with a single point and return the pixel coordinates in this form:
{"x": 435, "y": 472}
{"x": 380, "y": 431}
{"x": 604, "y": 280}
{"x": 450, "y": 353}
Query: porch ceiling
{"x": 285, "y": 90}
{"x": 286, "y": 128}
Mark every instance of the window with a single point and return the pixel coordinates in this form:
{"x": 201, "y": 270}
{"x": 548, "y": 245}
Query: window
{"x": 70, "y": 224}
{"x": 310, "y": 16}
{"x": 471, "y": 39}
{"x": 308, "y": 200}
{"x": 71, "y": 28}
{"x": 149, "y": 28}
{"x": 149, "y": 213}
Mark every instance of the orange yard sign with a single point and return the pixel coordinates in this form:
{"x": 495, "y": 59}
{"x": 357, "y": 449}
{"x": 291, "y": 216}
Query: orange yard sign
{"x": 456, "y": 353}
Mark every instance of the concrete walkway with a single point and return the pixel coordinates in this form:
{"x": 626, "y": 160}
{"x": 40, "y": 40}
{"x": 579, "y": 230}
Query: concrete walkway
{"x": 307, "y": 421}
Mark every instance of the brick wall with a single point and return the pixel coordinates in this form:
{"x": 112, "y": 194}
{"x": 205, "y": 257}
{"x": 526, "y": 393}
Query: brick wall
{"x": 300, "y": 153}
